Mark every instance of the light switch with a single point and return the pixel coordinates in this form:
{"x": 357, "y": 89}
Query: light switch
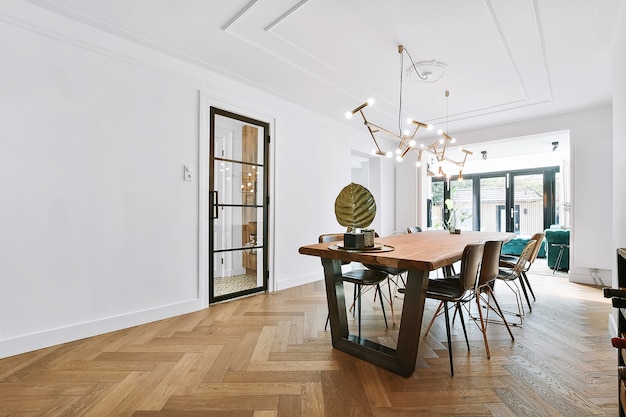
{"x": 188, "y": 172}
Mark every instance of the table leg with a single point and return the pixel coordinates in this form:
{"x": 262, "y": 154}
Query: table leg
{"x": 400, "y": 360}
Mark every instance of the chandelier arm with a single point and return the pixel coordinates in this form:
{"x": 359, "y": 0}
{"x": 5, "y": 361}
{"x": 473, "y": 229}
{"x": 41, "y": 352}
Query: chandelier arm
{"x": 366, "y": 123}
{"x": 381, "y": 129}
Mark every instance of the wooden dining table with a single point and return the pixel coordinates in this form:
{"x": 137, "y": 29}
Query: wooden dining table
{"x": 418, "y": 253}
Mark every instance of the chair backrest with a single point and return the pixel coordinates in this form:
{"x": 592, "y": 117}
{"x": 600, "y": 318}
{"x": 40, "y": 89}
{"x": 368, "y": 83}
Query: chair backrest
{"x": 413, "y": 229}
{"x": 491, "y": 262}
{"x": 524, "y": 258}
{"x": 470, "y": 265}
{"x": 538, "y": 238}
{"x": 332, "y": 237}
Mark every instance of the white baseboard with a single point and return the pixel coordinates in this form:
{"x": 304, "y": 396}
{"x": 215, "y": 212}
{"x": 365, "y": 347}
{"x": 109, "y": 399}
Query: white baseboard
{"x": 301, "y": 280}
{"x": 601, "y": 277}
{"x": 48, "y": 338}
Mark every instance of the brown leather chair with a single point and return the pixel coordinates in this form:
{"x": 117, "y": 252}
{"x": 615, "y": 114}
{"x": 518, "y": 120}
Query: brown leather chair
{"x": 456, "y": 288}
{"x": 489, "y": 271}
{"x": 358, "y": 277}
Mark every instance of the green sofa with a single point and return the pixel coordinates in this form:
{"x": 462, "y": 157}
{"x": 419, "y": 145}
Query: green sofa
{"x": 555, "y": 238}
{"x": 516, "y": 245}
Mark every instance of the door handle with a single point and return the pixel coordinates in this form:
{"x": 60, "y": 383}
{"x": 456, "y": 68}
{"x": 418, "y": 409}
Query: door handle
{"x": 214, "y": 201}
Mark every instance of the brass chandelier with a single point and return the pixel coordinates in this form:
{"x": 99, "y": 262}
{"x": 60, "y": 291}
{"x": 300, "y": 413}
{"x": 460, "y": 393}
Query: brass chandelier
{"x": 439, "y": 163}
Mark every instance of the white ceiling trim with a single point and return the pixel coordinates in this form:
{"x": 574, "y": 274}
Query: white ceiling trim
{"x": 288, "y": 13}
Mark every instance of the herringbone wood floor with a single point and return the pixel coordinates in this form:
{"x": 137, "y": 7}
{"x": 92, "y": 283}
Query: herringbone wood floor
{"x": 268, "y": 355}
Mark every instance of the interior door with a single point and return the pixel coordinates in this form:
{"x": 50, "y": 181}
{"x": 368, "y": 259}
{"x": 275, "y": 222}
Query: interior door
{"x": 238, "y": 226}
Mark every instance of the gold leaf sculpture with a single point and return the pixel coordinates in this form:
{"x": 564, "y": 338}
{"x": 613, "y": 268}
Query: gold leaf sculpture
{"x": 355, "y": 207}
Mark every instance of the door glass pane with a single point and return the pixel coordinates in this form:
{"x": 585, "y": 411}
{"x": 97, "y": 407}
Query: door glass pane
{"x": 528, "y": 204}
{"x": 562, "y": 207}
{"x": 461, "y": 195}
{"x": 437, "y": 213}
{"x": 237, "y": 140}
{"x": 492, "y": 204}
{"x": 237, "y": 270}
{"x": 238, "y": 227}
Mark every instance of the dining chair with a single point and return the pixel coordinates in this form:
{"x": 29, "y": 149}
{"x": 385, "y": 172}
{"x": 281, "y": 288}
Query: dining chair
{"x": 489, "y": 271}
{"x": 395, "y": 276}
{"x": 513, "y": 273}
{"x": 359, "y": 277}
{"x": 456, "y": 288}
{"x": 413, "y": 229}
{"x": 510, "y": 260}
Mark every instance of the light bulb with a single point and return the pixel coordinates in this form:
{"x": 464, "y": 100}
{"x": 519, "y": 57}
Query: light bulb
{"x": 440, "y": 131}
{"x": 441, "y": 141}
{"x": 389, "y": 154}
{"x": 374, "y": 152}
{"x": 453, "y": 140}
{"x": 370, "y": 102}
{"x": 409, "y": 121}
{"x": 348, "y": 115}
{"x": 398, "y": 158}
{"x": 405, "y": 132}
{"x": 430, "y": 127}
{"x": 398, "y": 151}
{"x": 412, "y": 143}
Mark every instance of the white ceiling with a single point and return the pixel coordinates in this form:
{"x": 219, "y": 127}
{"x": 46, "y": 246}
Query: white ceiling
{"x": 508, "y": 60}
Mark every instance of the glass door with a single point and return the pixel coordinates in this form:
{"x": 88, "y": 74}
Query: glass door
{"x": 493, "y": 204}
{"x": 523, "y": 202}
{"x": 461, "y": 208}
{"x": 238, "y": 211}
{"x": 526, "y": 214}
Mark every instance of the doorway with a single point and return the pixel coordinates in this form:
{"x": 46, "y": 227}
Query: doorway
{"x": 238, "y": 205}
{"x": 521, "y": 201}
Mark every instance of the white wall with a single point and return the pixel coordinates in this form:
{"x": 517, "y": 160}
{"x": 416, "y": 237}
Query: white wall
{"x": 98, "y": 229}
{"x": 619, "y": 140}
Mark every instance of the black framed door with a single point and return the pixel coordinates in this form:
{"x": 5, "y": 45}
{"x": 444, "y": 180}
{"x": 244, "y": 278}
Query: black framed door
{"x": 238, "y": 205}
{"x": 521, "y": 201}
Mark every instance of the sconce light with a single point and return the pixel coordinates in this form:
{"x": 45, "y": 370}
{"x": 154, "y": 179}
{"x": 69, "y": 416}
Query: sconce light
{"x": 554, "y": 146}
{"x": 484, "y": 154}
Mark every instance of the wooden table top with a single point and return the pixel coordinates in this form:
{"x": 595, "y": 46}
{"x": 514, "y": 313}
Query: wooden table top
{"x": 424, "y": 251}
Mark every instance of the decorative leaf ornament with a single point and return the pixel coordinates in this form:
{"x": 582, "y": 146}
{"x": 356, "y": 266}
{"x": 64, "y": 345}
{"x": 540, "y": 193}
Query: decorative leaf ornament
{"x": 355, "y": 207}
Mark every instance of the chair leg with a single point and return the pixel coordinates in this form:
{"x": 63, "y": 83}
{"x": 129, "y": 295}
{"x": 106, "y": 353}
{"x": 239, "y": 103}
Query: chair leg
{"x": 483, "y": 325}
{"x": 445, "y": 310}
{"x": 437, "y": 312}
{"x": 500, "y": 312}
{"x": 521, "y": 281}
{"x": 528, "y": 284}
{"x": 458, "y": 308}
{"x": 358, "y": 301}
{"x": 382, "y": 305}
{"x": 327, "y": 321}
{"x": 391, "y": 297}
